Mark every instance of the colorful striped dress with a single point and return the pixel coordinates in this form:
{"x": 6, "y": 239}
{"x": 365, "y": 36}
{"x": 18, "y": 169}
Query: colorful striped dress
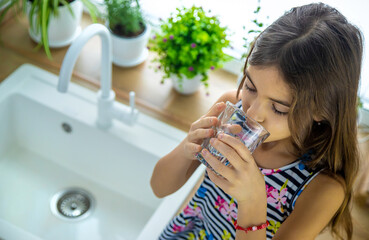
{"x": 211, "y": 213}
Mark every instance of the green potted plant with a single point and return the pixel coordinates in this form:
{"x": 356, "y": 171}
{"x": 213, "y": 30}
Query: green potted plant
{"x": 252, "y": 33}
{"x": 52, "y": 23}
{"x": 189, "y": 44}
{"x": 130, "y": 32}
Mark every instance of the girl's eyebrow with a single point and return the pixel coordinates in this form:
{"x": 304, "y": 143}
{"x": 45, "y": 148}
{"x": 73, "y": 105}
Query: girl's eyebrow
{"x": 274, "y": 100}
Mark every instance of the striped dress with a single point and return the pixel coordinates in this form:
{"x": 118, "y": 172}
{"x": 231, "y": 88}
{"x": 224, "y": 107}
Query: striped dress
{"x": 211, "y": 212}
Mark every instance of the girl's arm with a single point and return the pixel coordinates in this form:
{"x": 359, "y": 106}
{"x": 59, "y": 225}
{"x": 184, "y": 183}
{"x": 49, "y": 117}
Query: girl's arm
{"x": 174, "y": 169}
{"x": 314, "y": 209}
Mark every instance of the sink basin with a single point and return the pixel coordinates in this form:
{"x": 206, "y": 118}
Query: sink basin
{"x": 49, "y": 143}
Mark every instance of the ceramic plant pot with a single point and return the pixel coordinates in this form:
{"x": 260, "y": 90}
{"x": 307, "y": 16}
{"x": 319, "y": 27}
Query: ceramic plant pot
{"x": 63, "y": 29}
{"x": 186, "y": 86}
{"x": 130, "y": 52}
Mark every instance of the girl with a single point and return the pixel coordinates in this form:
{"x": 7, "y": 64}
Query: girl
{"x": 300, "y": 83}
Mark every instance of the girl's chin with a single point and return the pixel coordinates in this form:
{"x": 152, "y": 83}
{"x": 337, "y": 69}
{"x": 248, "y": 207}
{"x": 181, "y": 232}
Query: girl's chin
{"x": 270, "y": 141}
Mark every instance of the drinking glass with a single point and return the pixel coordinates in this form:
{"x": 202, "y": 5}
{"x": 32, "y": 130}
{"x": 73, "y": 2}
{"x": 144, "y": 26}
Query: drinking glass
{"x": 235, "y": 122}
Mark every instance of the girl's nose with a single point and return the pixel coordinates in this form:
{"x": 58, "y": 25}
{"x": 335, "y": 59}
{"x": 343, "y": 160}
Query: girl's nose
{"x": 255, "y": 112}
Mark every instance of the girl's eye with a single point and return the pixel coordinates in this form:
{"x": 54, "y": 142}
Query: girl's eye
{"x": 249, "y": 89}
{"x": 278, "y": 112}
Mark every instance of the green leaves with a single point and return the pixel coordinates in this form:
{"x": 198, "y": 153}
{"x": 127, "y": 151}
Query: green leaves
{"x": 190, "y": 43}
{"x": 40, "y": 12}
{"x": 253, "y": 33}
{"x": 359, "y": 102}
{"x": 259, "y": 24}
{"x": 203, "y": 37}
{"x": 125, "y": 17}
{"x": 92, "y": 9}
{"x": 8, "y": 4}
{"x": 45, "y": 13}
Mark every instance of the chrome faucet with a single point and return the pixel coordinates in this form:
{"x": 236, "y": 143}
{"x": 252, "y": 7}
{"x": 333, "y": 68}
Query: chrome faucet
{"x": 107, "y": 108}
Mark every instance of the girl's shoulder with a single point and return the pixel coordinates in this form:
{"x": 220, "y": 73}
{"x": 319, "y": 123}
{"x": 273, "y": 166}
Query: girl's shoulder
{"x": 320, "y": 201}
{"x": 230, "y": 96}
{"x": 331, "y": 179}
{"x": 323, "y": 187}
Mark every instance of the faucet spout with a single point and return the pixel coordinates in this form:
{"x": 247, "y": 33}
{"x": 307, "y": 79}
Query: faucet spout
{"x": 74, "y": 51}
{"x": 107, "y": 108}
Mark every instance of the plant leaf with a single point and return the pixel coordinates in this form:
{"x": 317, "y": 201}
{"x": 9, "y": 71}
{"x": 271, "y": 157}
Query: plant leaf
{"x": 66, "y": 4}
{"x": 6, "y": 9}
{"x": 92, "y": 9}
{"x": 45, "y": 13}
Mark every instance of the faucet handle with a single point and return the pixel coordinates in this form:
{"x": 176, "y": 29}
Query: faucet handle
{"x": 124, "y": 113}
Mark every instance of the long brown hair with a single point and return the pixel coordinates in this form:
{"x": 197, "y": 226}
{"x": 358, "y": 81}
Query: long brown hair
{"x": 319, "y": 54}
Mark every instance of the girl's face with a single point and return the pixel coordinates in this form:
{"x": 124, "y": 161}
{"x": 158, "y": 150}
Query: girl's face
{"x": 266, "y": 98}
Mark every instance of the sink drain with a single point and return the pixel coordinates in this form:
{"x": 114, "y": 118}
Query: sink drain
{"x": 72, "y": 204}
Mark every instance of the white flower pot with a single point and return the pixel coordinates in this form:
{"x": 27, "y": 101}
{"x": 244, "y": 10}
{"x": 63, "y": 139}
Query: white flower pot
{"x": 186, "y": 86}
{"x": 63, "y": 29}
{"x": 129, "y": 52}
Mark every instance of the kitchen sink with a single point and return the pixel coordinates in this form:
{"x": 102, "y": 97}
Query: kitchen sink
{"x": 50, "y": 144}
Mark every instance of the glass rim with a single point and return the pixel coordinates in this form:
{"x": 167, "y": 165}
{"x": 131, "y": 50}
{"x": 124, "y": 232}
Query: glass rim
{"x": 228, "y": 103}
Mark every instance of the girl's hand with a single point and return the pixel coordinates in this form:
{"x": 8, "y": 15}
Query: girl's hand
{"x": 243, "y": 180}
{"x": 200, "y": 130}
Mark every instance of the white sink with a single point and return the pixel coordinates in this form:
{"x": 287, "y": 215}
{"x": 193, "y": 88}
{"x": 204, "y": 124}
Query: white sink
{"x": 39, "y": 158}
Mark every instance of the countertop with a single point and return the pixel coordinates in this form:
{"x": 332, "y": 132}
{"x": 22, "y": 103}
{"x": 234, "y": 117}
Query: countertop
{"x": 157, "y": 100}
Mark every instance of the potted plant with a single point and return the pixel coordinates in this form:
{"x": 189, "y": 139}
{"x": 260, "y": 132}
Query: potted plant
{"x": 189, "y": 45}
{"x": 250, "y": 37}
{"x": 130, "y": 32}
{"x": 253, "y": 32}
{"x": 52, "y": 23}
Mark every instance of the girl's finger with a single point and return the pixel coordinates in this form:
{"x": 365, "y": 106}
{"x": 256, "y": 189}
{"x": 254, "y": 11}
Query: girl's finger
{"x": 231, "y": 128}
{"x": 218, "y": 180}
{"x": 216, "y": 109}
{"x": 200, "y": 134}
{"x": 228, "y": 152}
{"x": 205, "y": 122}
{"x": 218, "y": 166}
{"x": 238, "y": 146}
{"x": 192, "y": 149}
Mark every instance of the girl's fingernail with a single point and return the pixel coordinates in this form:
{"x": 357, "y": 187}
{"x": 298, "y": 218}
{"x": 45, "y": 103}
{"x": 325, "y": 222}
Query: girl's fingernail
{"x": 204, "y": 152}
{"x": 212, "y": 140}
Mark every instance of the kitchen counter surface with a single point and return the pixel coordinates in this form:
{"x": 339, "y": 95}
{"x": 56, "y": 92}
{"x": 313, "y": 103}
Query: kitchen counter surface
{"x": 152, "y": 98}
